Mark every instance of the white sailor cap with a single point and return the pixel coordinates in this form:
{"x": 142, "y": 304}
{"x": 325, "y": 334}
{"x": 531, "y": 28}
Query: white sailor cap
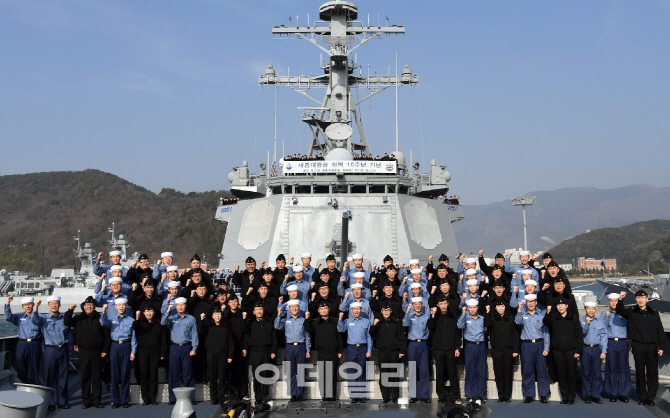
{"x": 359, "y": 274}
{"x": 613, "y": 296}
{"x": 470, "y": 272}
{"x": 417, "y": 299}
{"x": 357, "y": 256}
{"x": 115, "y": 252}
{"x": 416, "y": 271}
{"x": 27, "y": 300}
{"x": 471, "y": 281}
{"x": 590, "y": 304}
{"x": 525, "y": 272}
{"x": 470, "y": 260}
{"x": 524, "y": 253}
{"x": 115, "y": 267}
{"x": 120, "y": 301}
{"x": 293, "y": 302}
{"x": 167, "y": 254}
{"x": 415, "y": 285}
{"x": 472, "y": 302}
{"x": 173, "y": 284}
{"x": 356, "y": 305}
{"x": 297, "y": 268}
{"x": 530, "y": 296}
{"x": 180, "y": 300}
{"x": 172, "y": 268}
{"x": 53, "y": 297}
{"x": 414, "y": 261}
{"x": 114, "y": 280}
{"x": 292, "y": 288}
{"x": 530, "y": 281}
{"x": 357, "y": 286}
{"x": 306, "y": 255}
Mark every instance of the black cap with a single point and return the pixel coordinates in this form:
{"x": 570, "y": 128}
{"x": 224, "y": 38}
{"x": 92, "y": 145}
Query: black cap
{"x": 268, "y": 271}
{"x": 499, "y": 282}
{"x": 552, "y": 263}
{"x": 150, "y": 282}
{"x": 445, "y": 280}
{"x": 441, "y": 267}
{"x": 547, "y": 255}
{"x": 559, "y": 279}
{"x": 146, "y": 306}
{"x": 321, "y": 284}
{"x": 640, "y": 293}
{"x": 281, "y": 257}
{"x": 196, "y": 257}
{"x": 387, "y": 283}
{"x": 258, "y": 304}
{"x": 442, "y": 298}
{"x": 500, "y": 255}
{"x": 325, "y": 271}
{"x": 262, "y": 285}
{"x": 146, "y": 275}
{"x": 561, "y": 301}
{"x": 250, "y": 259}
{"x": 496, "y": 267}
{"x": 443, "y": 257}
{"x": 386, "y": 305}
{"x": 388, "y": 258}
{"x": 201, "y": 284}
{"x": 499, "y": 302}
{"x": 390, "y": 267}
{"x": 221, "y": 292}
{"x": 197, "y": 270}
{"x": 323, "y": 303}
{"x": 330, "y": 257}
{"x": 143, "y": 256}
{"x": 89, "y": 299}
{"x": 217, "y": 309}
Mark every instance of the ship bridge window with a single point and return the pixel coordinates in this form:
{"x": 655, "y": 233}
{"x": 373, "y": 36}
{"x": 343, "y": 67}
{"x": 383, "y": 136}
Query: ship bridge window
{"x": 288, "y": 189}
{"x": 403, "y": 189}
{"x": 377, "y": 188}
{"x": 390, "y": 188}
{"x": 340, "y": 188}
{"x": 276, "y": 189}
{"x": 359, "y": 188}
{"x": 303, "y": 189}
{"x": 321, "y": 189}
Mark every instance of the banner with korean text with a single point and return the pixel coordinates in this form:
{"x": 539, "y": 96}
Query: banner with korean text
{"x": 334, "y": 167}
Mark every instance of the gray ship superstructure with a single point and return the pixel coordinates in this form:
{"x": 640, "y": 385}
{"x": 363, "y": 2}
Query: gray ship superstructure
{"x": 338, "y": 204}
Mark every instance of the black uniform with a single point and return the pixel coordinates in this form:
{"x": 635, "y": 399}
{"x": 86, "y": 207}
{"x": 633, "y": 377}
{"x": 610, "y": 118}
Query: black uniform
{"x": 504, "y": 339}
{"x": 446, "y": 339}
{"x": 332, "y": 301}
{"x": 91, "y": 340}
{"x": 327, "y": 340}
{"x": 136, "y": 273}
{"x": 269, "y": 304}
{"x": 260, "y": 342}
{"x": 196, "y": 307}
{"x": 390, "y": 340}
{"x": 645, "y": 330}
{"x": 241, "y": 279}
{"x": 395, "y": 301}
{"x": 506, "y": 276}
{"x": 137, "y": 298}
{"x": 567, "y": 339}
{"x": 220, "y": 347}
{"x": 454, "y": 301}
{"x": 238, "y": 373}
{"x": 151, "y": 347}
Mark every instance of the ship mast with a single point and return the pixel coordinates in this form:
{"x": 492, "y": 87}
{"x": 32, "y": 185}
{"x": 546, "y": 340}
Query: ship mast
{"x": 332, "y": 119}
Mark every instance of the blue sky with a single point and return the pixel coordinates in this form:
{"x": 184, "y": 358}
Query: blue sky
{"x": 514, "y": 96}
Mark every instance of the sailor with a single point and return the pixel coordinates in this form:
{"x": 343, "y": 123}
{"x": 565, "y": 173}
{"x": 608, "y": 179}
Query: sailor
{"x": 144, "y": 293}
{"x": 390, "y": 297}
{"x": 567, "y": 343}
{"x": 323, "y": 294}
{"x": 357, "y": 259}
{"x": 299, "y": 281}
{"x": 445, "y": 289}
{"x": 261, "y": 346}
{"x": 524, "y": 257}
{"x": 263, "y": 297}
{"x": 491, "y": 299}
{"x": 328, "y": 343}
{"x": 298, "y": 345}
{"x": 416, "y": 319}
{"x": 115, "y": 271}
{"x": 415, "y": 291}
{"x": 519, "y": 295}
{"x": 446, "y": 341}
{"x": 270, "y": 283}
{"x": 293, "y": 292}
{"x": 519, "y": 282}
{"x": 139, "y": 269}
{"x": 550, "y": 296}
{"x": 244, "y": 279}
{"x": 441, "y": 273}
{"x": 359, "y": 349}
{"x": 358, "y": 277}
{"x": 534, "y": 349}
{"x": 28, "y": 352}
{"x": 356, "y": 298}
{"x": 196, "y": 278}
{"x": 199, "y": 305}
{"x": 333, "y": 273}
{"x": 220, "y": 347}
{"x": 160, "y": 270}
{"x": 389, "y": 338}
{"x": 413, "y": 264}
{"x": 107, "y": 297}
{"x": 648, "y": 341}
{"x": 115, "y": 260}
{"x": 196, "y": 266}
{"x": 595, "y": 351}
{"x": 497, "y": 270}
{"x": 504, "y": 345}
{"x": 151, "y": 349}
{"x": 239, "y": 368}
{"x": 184, "y": 339}
{"x": 122, "y": 351}
{"x": 307, "y": 270}
{"x": 388, "y": 274}
{"x": 280, "y": 270}
{"x": 406, "y": 283}
{"x": 171, "y": 275}
{"x": 170, "y": 296}
{"x": 465, "y": 264}
{"x": 617, "y": 369}
{"x": 471, "y": 291}
{"x": 472, "y": 325}
{"x": 553, "y": 272}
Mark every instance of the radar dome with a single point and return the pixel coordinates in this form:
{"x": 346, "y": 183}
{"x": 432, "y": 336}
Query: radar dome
{"x": 339, "y": 154}
{"x": 400, "y": 157}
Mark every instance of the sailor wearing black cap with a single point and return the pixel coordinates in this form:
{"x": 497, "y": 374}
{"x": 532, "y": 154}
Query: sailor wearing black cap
{"x": 567, "y": 343}
{"x": 550, "y": 296}
{"x": 139, "y": 269}
{"x": 504, "y": 346}
{"x": 442, "y": 273}
{"x": 239, "y": 369}
{"x": 195, "y": 279}
{"x": 491, "y": 299}
{"x": 389, "y": 338}
{"x": 334, "y": 273}
{"x": 325, "y": 295}
{"x": 327, "y": 341}
{"x": 648, "y": 342}
{"x": 446, "y": 342}
{"x": 199, "y": 305}
{"x": 145, "y": 293}
{"x": 378, "y": 275}
{"x": 245, "y": 278}
{"x": 497, "y": 270}
{"x": 91, "y": 342}
{"x": 220, "y": 347}
{"x": 445, "y": 289}
{"x": 260, "y": 343}
{"x": 550, "y": 273}
{"x": 264, "y": 298}
{"x": 196, "y": 266}
{"x": 151, "y": 349}
{"x": 617, "y": 368}
{"x": 271, "y": 283}
{"x": 389, "y": 296}
{"x": 389, "y": 275}
{"x": 280, "y": 270}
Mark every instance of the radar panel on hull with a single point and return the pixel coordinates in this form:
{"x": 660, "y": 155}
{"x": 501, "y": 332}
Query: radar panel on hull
{"x": 256, "y": 225}
{"x": 422, "y": 223}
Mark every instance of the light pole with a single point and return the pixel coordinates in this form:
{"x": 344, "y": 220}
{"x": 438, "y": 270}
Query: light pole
{"x": 524, "y": 201}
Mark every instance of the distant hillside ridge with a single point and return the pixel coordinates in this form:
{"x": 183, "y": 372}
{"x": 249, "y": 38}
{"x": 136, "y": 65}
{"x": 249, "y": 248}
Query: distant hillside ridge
{"x": 47, "y": 209}
{"x": 558, "y": 215}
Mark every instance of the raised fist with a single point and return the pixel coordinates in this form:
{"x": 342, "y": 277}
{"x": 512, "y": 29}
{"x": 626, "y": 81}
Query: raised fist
{"x": 104, "y": 308}
{"x": 622, "y": 295}
{"x": 286, "y": 278}
{"x": 488, "y": 308}
{"x": 262, "y": 264}
{"x": 341, "y": 316}
{"x": 318, "y": 265}
{"x": 376, "y": 321}
{"x": 100, "y": 255}
{"x": 307, "y": 315}
{"x": 10, "y": 299}
{"x": 290, "y": 260}
{"x": 607, "y": 313}
{"x": 134, "y": 287}
{"x": 343, "y": 278}
{"x": 545, "y": 286}
{"x": 464, "y": 310}
{"x": 549, "y": 309}
{"x": 430, "y": 259}
{"x": 346, "y": 265}
{"x": 516, "y": 289}
{"x": 433, "y": 310}
{"x": 481, "y": 253}
{"x": 38, "y": 302}
{"x": 461, "y": 258}
{"x": 202, "y": 316}
{"x": 244, "y": 315}
{"x": 73, "y": 306}
{"x": 137, "y": 315}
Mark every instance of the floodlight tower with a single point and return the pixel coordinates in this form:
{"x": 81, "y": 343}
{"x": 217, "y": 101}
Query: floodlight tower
{"x": 524, "y": 201}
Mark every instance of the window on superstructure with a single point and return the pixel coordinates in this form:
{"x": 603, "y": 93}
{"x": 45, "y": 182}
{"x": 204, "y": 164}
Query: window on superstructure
{"x": 321, "y": 189}
{"x": 288, "y": 189}
{"x": 377, "y": 188}
{"x": 303, "y": 189}
{"x": 359, "y": 188}
{"x": 390, "y": 188}
{"x": 340, "y": 189}
{"x": 403, "y": 189}
{"x": 276, "y": 189}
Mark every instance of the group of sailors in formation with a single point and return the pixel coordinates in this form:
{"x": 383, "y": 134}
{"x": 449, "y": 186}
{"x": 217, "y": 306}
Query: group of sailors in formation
{"x": 203, "y": 330}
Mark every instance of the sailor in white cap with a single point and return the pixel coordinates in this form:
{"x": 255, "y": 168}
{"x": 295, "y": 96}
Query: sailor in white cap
{"x": 534, "y": 349}
{"x": 28, "y": 351}
{"x": 57, "y": 346}
{"x": 171, "y": 275}
{"x": 307, "y": 270}
{"x": 184, "y": 339}
{"x": 519, "y": 294}
{"x": 174, "y": 287}
{"x": 122, "y": 351}
{"x": 594, "y": 352}
{"x": 472, "y": 291}
{"x": 293, "y": 293}
{"x": 114, "y": 271}
{"x": 416, "y": 320}
{"x": 516, "y": 270}
{"x": 359, "y": 277}
{"x": 522, "y": 276}
{"x": 348, "y": 273}
{"x": 356, "y": 297}
{"x": 303, "y": 286}
{"x": 359, "y": 348}
{"x": 617, "y": 367}
{"x": 160, "y": 270}
{"x": 107, "y": 297}
{"x": 298, "y": 344}
{"x": 416, "y": 290}
{"x": 416, "y": 277}
{"x": 469, "y": 274}
{"x": 115, "y": 260}
{"x": 472, "y": 324}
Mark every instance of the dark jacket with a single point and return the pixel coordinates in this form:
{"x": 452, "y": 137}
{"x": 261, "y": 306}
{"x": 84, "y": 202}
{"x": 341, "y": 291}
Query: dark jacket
{"x": 325, "y": 336}
{"x": 389, "y": 334}
{"x": 219, "y": 337}
{"x": 377, "y": 302}
{"x": 137, "y": 299}
{"x": 454, "y": 301}
{"x": 269, "y": 305}
{"x": 565, "y": 332}
{"x": 238, "y": 326}
{"x": 241, "y": 279}
{"x": 260, "y": 335}
{"x": 444, "y": 332}
{"x": 643, "y": 326}
{"x": 151, "y": 336}
{"x": 549, "y": 297}
{"x": 333, "y": 302}
{"x": 133, "y": 275}
{"x": 87, "y": 331}
{"x": 503, "y": 332}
